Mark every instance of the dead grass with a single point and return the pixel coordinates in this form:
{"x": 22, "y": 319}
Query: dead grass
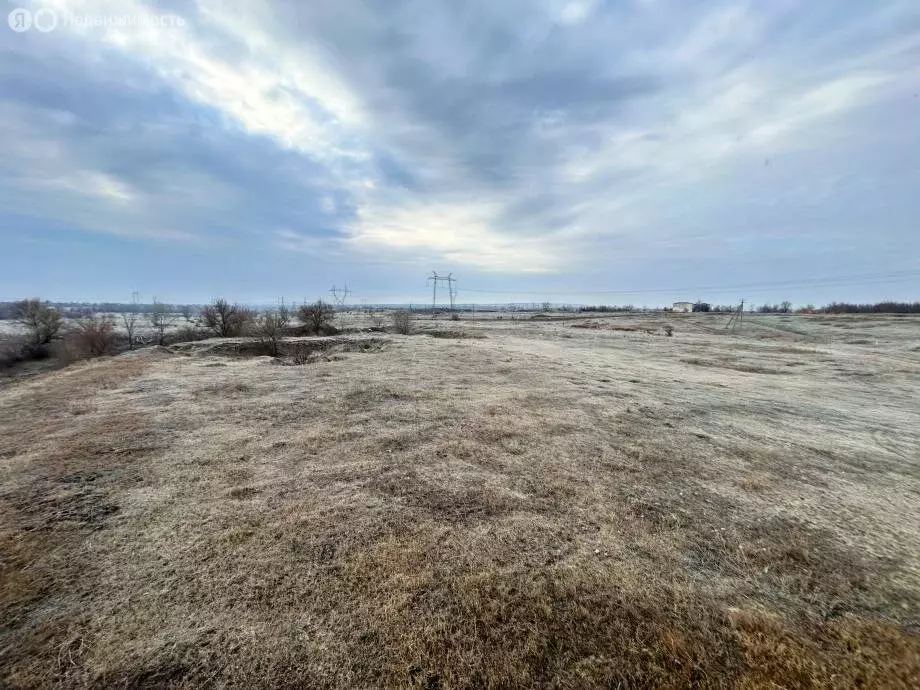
{"x": 402, "y": 520}
{"x": 733, "y": 365}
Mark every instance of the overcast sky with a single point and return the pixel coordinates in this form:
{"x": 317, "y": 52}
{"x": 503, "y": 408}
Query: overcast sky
{"x": 538, "y": 149}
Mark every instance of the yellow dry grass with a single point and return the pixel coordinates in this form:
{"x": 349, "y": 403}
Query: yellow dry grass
{"x": 535, "y": 506}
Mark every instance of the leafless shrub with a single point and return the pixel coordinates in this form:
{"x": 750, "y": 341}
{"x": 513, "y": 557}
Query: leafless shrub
{"x": 12, "y": 351}
{"x": 187, "y": 334}
{"x": 92, "y": 337}
{"x": 284, "y": 315}
{"x": 41, "y": 320}
{"x": 669, "y": 330}
{"x": 402, "y": 322}
{"x": 129, "y": 319}
{"x": 161, "y": 318}
{"x": 269, "y": 329}
{"x": 376, "y": 320}
{"x": 316, "y": 317}
{"x": 227, "y": 320}
{"x": 301, "y": 355}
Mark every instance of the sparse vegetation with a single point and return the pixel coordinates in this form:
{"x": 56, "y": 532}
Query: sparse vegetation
{"x": 542, "y": 507}
{"x": 161, "y": 317}
{"x": 187, "y": 334}
{"x": 41, "y": 320}
{"x": 129, "y": 321}
{"x": 12, "y": 352}
{"x": 92, "y": 337}
{"x": 269, "y": 329}
{"x": 316, "y": 317}
{"x": 402, "y": 322}
{"x": 227, "y": 320}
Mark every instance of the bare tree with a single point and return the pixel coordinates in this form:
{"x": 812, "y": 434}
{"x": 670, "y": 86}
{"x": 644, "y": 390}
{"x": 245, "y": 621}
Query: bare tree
{"x": 162, "y": 317}
{"x": 41, "y": 319}
{"x": 317, "y": 316}
{"x": 186, "y": 311}
{"x": 269, "y": 329}
{"x": 225, "y": 319}
{"x": 129, "y": 319}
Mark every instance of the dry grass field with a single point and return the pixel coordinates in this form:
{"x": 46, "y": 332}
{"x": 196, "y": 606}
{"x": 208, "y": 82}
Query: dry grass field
{"x": 528, "y": 502}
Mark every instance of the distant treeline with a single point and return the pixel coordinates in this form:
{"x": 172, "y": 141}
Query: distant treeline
{"x": 607, "y": 307}
{"x": 76, "y": 310}
{"x": 878, "y": 308}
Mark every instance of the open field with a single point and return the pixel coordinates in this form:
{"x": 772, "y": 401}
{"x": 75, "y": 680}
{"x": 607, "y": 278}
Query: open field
{"x": 561, "y": 501}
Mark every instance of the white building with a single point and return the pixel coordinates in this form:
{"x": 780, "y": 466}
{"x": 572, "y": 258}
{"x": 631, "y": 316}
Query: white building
{"x": 683, "y": 306}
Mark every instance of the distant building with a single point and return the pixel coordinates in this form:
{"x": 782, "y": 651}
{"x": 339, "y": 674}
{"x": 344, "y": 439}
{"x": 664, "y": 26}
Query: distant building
{"x": 683, "y": 306}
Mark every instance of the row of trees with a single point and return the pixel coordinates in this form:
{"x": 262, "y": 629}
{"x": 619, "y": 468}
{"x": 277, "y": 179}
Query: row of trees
{"x": 79, "y": 310}
{"x": 47, "y": 332}
{"x": 783, "y": 307}
{"x": 877, "y": 308}
{"x": 605, "y": 308}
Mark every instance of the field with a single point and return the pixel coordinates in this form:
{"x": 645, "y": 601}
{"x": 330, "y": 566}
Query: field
{"x": 533, "y": 501}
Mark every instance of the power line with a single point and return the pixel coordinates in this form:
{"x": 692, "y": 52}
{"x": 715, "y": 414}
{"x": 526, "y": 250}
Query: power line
{"x": 866, "y": 279}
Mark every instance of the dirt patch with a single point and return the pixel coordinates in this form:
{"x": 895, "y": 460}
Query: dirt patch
{"x": 452, "y": 334}
{"x": 613, "y": 327}
{"x": 735, "y": 366}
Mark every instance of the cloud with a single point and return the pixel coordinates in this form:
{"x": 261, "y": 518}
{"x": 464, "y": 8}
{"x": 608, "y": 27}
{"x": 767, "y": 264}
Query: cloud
{"x": 459, "y": 233}
{"x": 519, "y": 137}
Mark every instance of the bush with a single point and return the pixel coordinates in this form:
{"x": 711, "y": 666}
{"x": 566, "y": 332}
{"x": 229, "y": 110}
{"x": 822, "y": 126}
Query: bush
{"x": 161, "y": 317}
{"x": 227, "y": 320}
{"x": 317, "y": 317}
{"x": 42, "y": 321}
{"x": 269, "y": 329}
{"x": 12, "y": 352}
{"x": 187, "y": 334}
{"x": 92, "y": 337}
{"x": 402, "y": 322}
{"x": 377, "y": 320}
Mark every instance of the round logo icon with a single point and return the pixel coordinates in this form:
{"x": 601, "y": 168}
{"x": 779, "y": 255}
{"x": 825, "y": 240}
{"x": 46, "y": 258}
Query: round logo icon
{"x": 20, "y": 20}
{"x": 45, "y": 20}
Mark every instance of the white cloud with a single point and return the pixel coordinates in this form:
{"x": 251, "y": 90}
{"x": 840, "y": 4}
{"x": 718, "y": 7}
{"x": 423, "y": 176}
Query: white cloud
{"x": 459, "y": 232}
{"x": 722, "y": 93}
{"x": 293, "y": 241}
